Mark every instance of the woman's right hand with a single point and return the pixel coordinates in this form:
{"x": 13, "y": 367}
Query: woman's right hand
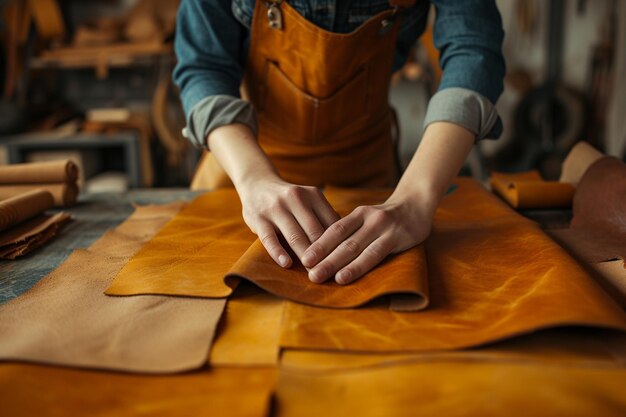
{"x": 273, "y": 208}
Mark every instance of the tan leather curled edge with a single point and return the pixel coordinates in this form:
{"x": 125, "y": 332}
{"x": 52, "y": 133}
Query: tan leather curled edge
{"x": 492, "y": 275}
{"x": 206, "y": 249}
{"x": 39, "y": 172}
{"x": 527, "y": 190}
{"x": 23, "y": 207}
{"x": 579, "y": 159}
{"x": 64, "y": 194}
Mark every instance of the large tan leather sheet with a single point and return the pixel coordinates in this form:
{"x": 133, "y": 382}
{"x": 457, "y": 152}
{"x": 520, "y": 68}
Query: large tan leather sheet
{"x": 30, "y": 390}
{"x": 66, "y": 319}
{"x": 492, "y": 274}
{"x": 206, "y": 249}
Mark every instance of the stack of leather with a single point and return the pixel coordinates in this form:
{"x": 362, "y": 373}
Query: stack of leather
{"x": 59, "y": 178}
{"x": 23, "y": 225}
{"x": 492, "y": 328}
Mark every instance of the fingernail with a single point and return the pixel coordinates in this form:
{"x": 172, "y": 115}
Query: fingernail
{"x": 283, "y": 260}
{"x": 314, "y": 277}
{"x": 307, "y": 258}
{"x": 343, "y": 276}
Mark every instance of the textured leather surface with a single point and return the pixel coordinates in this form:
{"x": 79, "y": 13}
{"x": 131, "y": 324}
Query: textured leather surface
{"x": 451, "y": 389}
{"x": 249, "y": 330}
{"x": 29, "y": 390}
{"x": 597, "y": 232}
{"x": 321, "y": 100}
{"x": 66, "y": 319}
{"x": 192, "y": 254}
{"x": 492, "y": 274}
{"x": 527, "y": 190}
{"x": 207, "y": 248}
{"x": 565, "y": 347}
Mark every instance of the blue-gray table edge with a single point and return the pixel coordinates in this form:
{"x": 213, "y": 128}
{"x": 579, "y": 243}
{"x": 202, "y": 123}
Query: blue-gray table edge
{"x": 91, "y": 218}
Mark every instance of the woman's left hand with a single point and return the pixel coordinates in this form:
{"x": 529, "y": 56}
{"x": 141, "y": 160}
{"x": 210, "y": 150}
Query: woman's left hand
{"x": 354, "y": 245}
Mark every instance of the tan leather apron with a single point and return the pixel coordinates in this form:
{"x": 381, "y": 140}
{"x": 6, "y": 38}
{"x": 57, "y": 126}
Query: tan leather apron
{"x": 321, "y": 99}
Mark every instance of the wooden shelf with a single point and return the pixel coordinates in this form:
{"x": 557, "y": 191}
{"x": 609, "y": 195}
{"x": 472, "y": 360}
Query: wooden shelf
{"x": 102, "y": 58}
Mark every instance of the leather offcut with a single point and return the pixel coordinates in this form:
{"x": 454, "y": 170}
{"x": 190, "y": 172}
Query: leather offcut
{"x": 597, "y": 233}
{"x": 65, "y": 319}
{"x": 492, "y": 275}
{"x": 207, "y": 249}
{"x": 527, "y": 190}
{"x": 454, "y": 389}
{"x": 30, "y": 390}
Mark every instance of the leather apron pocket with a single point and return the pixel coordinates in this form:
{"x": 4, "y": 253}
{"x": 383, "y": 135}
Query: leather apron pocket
{"x": 311, "y": 120}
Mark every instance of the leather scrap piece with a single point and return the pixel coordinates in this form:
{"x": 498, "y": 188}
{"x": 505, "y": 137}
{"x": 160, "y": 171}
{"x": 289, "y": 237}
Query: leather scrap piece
{"x": 597, "y": 233}
{"x": 249, "y": 332}
{"x": 453, "y": 389}
{"x": 192, "y": 254}
{"x": 65, "y": 319}
{"x": 207, "y": 249}
{"x": 30, "y": 390}
{"x": 492, "y": 275}
{"x": 527, "y": 190}
{"x": 562, "y": 347}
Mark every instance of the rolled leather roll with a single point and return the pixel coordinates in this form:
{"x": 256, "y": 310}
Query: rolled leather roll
{"x": 23, "y": 207}
{"x": 39, "y": 172}
{"x": 64, "y": 194}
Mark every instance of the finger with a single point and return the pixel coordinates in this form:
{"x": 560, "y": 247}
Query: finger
{"x": 348, "y": 250}
{"x": 268, "y": 237}
{"x": 292, "y": 232}
{"x": 332, "y": 237}
{"x": 307, "y": 219}
{"x": 371, "y": 256}
{"x": 324, "y": 211}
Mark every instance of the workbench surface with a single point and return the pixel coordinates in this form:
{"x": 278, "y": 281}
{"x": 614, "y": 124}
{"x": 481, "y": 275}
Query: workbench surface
{"x": 91, "y": 218}
{"x": 96, "y": 213}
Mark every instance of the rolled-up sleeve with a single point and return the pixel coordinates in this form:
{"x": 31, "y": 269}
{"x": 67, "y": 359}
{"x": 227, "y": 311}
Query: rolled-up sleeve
{"x": 468, "y": 35}
{"x": 210, "y": 50}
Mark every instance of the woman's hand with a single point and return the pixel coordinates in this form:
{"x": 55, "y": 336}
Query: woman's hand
{"x": 357, "y": 243}
{"x": 274, "y": 208}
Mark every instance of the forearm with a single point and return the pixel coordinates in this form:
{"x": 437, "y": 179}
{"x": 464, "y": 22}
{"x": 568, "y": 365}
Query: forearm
{"x": 238, "y": 152}
{"x": 436, "y": 162}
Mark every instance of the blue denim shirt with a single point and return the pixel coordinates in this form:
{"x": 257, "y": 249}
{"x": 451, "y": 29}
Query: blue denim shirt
{"x": 212, "y": 39}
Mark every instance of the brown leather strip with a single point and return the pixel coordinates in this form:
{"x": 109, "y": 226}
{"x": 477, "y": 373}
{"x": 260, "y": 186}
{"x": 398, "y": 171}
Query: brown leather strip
{"x": 527, "y": 190}
{"x": 492, "y": 275}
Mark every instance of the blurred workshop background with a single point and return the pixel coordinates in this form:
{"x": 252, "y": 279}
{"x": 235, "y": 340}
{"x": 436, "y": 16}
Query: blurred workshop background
{"x": 90, "y": 81}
